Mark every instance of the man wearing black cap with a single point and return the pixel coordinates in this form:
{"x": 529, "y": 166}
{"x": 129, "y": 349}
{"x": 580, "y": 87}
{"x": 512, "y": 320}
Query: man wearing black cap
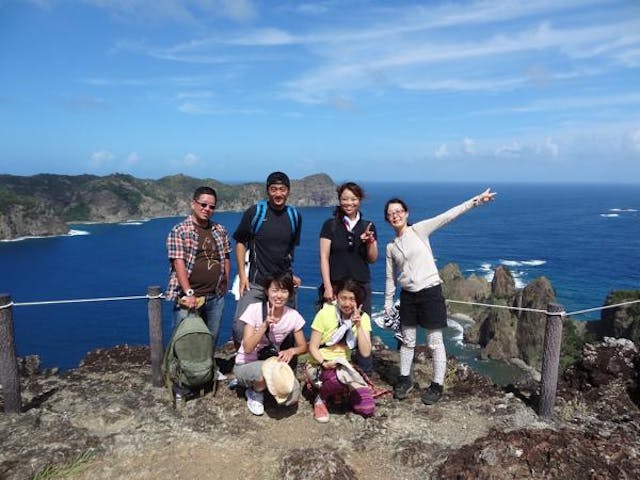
{"x": 269, "y": 231}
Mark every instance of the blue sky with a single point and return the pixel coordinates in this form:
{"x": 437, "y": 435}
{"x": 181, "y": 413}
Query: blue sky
{"x": 484, "y": 91}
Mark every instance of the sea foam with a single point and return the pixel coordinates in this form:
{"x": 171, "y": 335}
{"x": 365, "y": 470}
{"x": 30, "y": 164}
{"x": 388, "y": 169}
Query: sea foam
{"x": 71, "y": 233}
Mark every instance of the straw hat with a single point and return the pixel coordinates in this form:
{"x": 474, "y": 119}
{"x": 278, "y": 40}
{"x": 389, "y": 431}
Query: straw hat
{"x": 280, "y": 379}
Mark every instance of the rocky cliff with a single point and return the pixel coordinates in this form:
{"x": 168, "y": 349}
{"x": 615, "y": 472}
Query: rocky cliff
{"x": 43, "y": 204}
{"x": 104, "y": 420}
{"x": 622, "y": 321}
{"x": 504, "y": 334}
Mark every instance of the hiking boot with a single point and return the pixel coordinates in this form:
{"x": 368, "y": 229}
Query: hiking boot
{"x": 255, "y": 401}
{"x": 432, "y": 394}
{"x": 320, "y": 412}
{"x": 402, "y": 387}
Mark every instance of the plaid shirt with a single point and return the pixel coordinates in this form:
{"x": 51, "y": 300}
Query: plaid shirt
{"x": 182, "y": 243}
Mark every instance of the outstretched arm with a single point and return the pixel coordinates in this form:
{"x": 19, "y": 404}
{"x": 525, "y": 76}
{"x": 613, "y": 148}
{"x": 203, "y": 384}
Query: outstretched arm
{"x": 425, "y": 227}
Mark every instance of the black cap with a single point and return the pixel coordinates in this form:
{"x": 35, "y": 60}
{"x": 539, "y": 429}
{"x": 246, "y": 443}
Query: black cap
{"x": 278, "y": 178}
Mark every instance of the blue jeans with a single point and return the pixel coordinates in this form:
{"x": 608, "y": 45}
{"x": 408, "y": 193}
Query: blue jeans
{"x": 211, "y": 313}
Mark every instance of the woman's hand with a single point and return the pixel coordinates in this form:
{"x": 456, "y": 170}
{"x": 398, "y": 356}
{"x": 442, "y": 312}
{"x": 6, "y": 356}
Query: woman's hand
{"x": 367, "y": 236}
{"x": 484, "y": 197}
{"x": 286, "y": 355}
{"x": 357, "y": 316}
{"x": 271, "y": 318}
{"x": 328, "y": 295}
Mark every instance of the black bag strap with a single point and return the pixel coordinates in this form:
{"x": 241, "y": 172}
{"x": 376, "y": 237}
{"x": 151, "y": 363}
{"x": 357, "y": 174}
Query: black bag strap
{"x": 264, "y": 319}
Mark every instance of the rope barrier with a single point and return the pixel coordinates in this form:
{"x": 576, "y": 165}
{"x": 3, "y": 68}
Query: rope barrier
{"x": 578, "y": 312}
{"x": 88, "y": 300}
{"x": 161, "y": 295}
{"x": 522, "y": 309}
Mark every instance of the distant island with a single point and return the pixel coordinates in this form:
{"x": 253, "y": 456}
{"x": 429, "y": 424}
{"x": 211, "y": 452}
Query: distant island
{"x": 42, "y": 205}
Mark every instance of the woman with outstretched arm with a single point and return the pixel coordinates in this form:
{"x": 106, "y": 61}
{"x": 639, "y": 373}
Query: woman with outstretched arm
{"x": 410, "y": 264}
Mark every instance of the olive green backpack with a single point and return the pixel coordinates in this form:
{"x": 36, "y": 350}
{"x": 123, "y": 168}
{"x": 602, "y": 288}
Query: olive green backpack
{"x": 188, "y": 359}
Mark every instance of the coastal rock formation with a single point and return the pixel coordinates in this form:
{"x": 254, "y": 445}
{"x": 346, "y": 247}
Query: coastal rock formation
{"x": 104, "y": 420}
{"x": 622, "y": 321}
{"x": 456, "y": 287}
{"x": 20, "y": 219}
{"x": 503, "y": 285}
{"x": 43, "y": 204}
{"x": 504, "y": 334}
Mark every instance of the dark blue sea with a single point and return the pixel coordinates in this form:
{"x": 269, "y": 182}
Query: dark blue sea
{"x": 584, "y": 238}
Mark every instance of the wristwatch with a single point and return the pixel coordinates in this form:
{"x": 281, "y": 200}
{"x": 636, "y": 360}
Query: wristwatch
{"x": 189, "y": 292}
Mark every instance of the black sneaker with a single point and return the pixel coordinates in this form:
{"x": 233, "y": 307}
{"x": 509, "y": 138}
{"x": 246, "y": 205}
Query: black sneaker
{"x": 402, "y": 387}
{"x": 432, "y": 394}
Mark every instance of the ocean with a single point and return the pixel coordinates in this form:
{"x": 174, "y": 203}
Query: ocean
{"x": 584, "y": 238}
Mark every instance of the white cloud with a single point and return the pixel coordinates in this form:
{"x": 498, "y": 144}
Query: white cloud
{"x": 468, "y": 146}
{"x": 511, "y": 150}
{"x": 191, "y": 107}
{"x": 548, "y": 149}
{"x": 43, "y": 4}
{"x": 442, "y": 151}
{"x": 312, "y": 8}
{"x": 132, "y": 159}
{"x": 240, "y": 10}
{"x": 101, "y": 159}
{"x": 181, "y": 11}
{"x": 266, "y": 37}
{"x": 197, "y": 94}
{"x": 635, "y": 140}
{"x": 190, "y": 160}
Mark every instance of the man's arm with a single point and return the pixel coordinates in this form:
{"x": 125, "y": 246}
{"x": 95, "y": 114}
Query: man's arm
{"x": 183, "y": 279}
{"x": 241, "y": 252}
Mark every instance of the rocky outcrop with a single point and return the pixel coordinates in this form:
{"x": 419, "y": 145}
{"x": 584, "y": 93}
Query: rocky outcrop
{"x": 42, "y": 204}
{"x": 505, "y": 334}
{"x": 622, "y": 321}
{"x": 104, "y": 420}
{"x": 537, "y": 295}
{"x": 503, "y": 285}
{"x": 456, "y": 287}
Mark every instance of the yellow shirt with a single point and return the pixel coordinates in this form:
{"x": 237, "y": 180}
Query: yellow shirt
{"x": 326, "y": 322}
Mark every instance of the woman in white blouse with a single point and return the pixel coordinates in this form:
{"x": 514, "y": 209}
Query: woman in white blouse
{"x": 410, "y": 264}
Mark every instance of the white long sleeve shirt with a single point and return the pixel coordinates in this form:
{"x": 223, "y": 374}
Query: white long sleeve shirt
{"x": 409, "y": 259}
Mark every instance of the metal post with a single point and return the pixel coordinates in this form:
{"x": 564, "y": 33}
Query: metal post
{"x": 155, "y": 335}
{"x": 9, "y": 376}
{"x": 550, "y": 360}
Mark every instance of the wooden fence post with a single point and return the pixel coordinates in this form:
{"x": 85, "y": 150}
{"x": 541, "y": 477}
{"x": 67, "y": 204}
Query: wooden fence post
{"x": 155, "y": 335}
{"x": 9, "y": 375}
{"x": 550, "y": 360}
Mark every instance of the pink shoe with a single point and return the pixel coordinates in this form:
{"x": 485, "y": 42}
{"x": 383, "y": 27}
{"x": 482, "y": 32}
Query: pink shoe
{"x": 320, "y": 412}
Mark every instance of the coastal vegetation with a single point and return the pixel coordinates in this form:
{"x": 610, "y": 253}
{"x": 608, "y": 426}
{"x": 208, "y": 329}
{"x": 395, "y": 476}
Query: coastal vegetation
{"x": 43, "y": 204}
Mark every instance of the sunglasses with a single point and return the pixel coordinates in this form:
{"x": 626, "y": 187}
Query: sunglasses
{"x": 206, "y": 205}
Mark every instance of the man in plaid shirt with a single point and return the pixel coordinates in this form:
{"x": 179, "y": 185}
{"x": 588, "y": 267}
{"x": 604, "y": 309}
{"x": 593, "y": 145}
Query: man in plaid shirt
{"x": 198, "y": 251}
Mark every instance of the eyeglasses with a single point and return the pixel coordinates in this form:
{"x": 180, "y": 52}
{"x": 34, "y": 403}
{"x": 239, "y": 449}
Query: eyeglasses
{"x": 206, "y": 205}
{"x": 394, "y": 213}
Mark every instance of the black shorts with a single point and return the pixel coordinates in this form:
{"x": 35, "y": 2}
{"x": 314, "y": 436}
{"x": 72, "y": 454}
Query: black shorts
{"x": 425, "y": 308}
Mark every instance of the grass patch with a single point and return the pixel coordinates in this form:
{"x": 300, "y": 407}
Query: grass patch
{"x": 74, "y": 466}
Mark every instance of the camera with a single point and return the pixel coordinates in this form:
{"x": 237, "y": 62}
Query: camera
{"x": 267, "y": 352}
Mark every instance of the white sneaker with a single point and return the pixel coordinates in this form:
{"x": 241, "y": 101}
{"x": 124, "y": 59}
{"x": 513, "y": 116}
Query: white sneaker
{"x": 220, "y": 375}
{"x": 255, "y": 401}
